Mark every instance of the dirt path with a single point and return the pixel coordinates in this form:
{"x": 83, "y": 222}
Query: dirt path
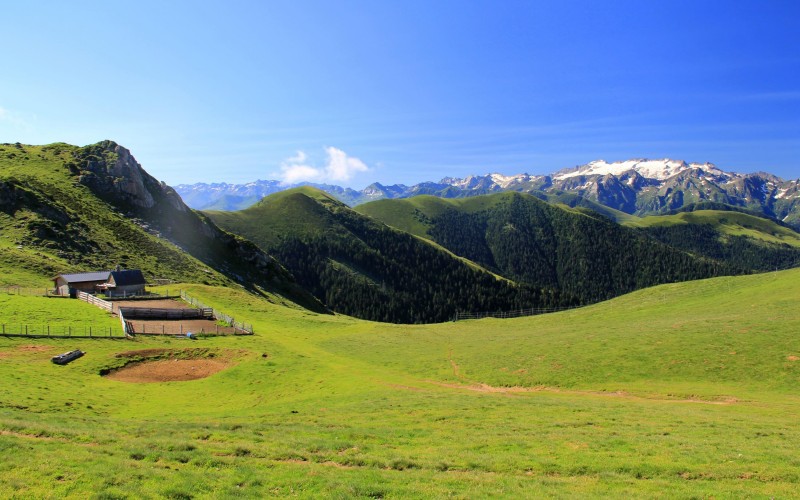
{"x": 721, "y": 400}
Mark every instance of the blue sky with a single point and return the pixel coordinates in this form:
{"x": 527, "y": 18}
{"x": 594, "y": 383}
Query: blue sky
{"x": 352, "y": 92}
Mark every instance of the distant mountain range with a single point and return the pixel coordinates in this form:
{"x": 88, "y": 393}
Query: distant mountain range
{"x": 411, "y": 260}
{"x": 637, "y": 187}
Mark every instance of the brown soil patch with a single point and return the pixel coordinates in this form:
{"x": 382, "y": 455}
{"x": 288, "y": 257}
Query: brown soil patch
{"x": 175, "y": 370}
{"x": 26, "y": 436}
{"x": 25, "y": 349}
{"x": 793, "y": 358}
{"x": 34, "y": 348}
{"x": 43, "y": 438}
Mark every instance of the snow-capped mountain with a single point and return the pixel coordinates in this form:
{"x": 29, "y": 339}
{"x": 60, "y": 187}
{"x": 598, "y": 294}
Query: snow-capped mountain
{"x": 638, "y": 186}
{"x": 650, "y": 169}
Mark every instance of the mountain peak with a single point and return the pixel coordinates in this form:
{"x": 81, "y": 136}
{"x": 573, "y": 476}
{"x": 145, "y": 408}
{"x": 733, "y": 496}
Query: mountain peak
{"x": 651, "y": 169}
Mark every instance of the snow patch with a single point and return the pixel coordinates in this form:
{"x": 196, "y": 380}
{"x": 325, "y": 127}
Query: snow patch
{"x": 652, "y": 169}
{"x": 506, "y": 180}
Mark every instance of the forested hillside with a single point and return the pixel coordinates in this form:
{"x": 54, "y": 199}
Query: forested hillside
{"x": 363, "y": 268}
{"x": 744, "y": 241}
{"x": 576, "y": 251}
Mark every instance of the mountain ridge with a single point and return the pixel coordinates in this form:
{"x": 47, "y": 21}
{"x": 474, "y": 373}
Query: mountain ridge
{"x": 636, "y": 187}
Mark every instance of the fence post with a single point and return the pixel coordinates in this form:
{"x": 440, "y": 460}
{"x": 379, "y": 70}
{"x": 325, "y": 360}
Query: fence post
{"x": 26, "y": 329}
{"x": 90, "y": 330}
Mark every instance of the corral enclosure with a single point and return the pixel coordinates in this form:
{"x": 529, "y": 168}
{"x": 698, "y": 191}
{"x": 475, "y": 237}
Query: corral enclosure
{"x": 169, "y": 317}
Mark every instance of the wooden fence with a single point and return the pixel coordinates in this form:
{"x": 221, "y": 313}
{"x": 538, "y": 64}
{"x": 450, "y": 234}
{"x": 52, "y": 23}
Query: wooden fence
{"x": 459, "y": 316}
{"x": 239, "y": 327}
{"x": 144, "y": 298}
{"x": 126, "y": 328}
{"x": 61, "y": 331}
{"x": 166, "y": 314}
{"x": 91, "y": 299}
{"x": 18, "y": 290}
{"x": 134, "y": 328}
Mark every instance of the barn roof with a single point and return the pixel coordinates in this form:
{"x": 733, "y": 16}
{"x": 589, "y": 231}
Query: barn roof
{"x": 128, "y": 277}
{"x": 85, "y": 277}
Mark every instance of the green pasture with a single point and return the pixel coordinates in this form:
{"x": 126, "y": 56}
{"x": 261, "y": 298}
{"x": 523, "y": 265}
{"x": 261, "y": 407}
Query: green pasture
{"x": 683, "y": 390}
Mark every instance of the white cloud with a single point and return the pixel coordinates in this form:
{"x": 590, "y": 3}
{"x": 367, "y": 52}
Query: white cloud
{"x": 298, "y": 173}
{"x": 339, "y": 167}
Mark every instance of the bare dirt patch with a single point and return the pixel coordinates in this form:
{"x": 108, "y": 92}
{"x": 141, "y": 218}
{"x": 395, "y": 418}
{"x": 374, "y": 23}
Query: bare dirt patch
{"x": 173, "y": 370}
{"x": 34, "y": 348}
{"x": 20, "y": 350}
{"x": 793, "y": 358}
{"x": 170, "y": 365}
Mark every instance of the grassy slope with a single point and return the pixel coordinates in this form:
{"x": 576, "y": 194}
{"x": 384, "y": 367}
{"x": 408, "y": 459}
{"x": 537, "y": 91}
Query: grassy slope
{"x": 412, "y": 214}
{"x": 624, "y": 402}
{"x": 108, "y": 237}
{"x": 728, "y": 223}
{"x": 290, "y": 212}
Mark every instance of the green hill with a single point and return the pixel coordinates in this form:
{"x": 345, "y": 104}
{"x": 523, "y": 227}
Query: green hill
{"x": 363, "y": 268}
{"x": 687, "y": 388}
{"x": 525, "y": 239}
{"x": 66, "y": 208}
{"x": 743, "y": 240}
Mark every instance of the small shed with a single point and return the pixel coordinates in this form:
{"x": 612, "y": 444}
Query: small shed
{"x": 84, "y": 282}
{"x": 127, "y": 282}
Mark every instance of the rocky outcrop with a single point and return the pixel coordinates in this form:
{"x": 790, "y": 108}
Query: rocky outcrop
{"x": 111, "y": 172}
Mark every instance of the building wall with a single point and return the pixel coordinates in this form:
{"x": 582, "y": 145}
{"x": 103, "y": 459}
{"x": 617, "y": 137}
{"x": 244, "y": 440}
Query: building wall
{"x": 62, "y": 287}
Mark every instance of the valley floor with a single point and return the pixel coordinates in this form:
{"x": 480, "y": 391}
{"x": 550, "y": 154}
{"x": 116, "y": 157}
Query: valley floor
{"x": 685, "y": 390}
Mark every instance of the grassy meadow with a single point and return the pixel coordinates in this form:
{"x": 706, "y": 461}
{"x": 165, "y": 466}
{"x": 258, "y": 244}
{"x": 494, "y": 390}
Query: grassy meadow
{"x": 682, "y": 390}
